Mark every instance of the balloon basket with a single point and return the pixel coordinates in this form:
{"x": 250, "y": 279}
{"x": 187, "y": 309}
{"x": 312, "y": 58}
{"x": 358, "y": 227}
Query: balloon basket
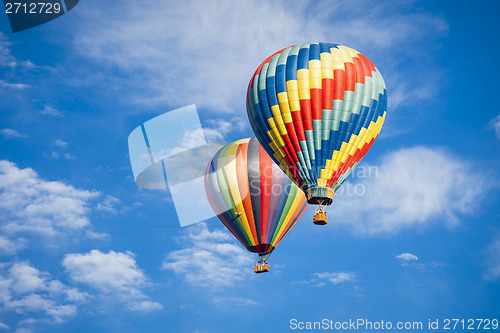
{"x": 320, "y": 217}
{"x": 261, "y": 267}
{"x": 319, "y": 195}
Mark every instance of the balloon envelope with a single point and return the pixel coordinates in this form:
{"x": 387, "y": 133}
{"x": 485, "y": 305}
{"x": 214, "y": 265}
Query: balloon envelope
{"x": 254, "y": 199}
{"x": 317, "y": 109}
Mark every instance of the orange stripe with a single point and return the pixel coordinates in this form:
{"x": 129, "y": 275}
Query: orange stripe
{"x": 242, "y": 178}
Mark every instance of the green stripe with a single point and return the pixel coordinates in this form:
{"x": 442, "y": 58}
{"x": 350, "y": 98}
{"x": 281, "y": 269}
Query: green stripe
{"x": 288, "y": 205}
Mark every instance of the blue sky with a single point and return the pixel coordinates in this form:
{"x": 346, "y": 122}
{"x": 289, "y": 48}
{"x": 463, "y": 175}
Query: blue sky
{"x": 84, "y": 249}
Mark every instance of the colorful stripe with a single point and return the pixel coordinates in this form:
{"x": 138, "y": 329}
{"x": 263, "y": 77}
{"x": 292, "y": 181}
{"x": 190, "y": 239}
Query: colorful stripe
{"x": 317, "y": 109}
{"x": 250, "y": 194}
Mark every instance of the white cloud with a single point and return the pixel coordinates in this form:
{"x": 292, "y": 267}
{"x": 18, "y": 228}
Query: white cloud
{"x": 54, "y": 155}
{"x": 108, "y": 205}
{"x": 10, "y": 247}
{"x": 218, "y": 129}
{"x": 9, "y": 133}
{"x": 410, "y": 260}
{"x": 3, "y": 326}
{"x": 210, "y": 258}
{"x": 5, "y": 84}
{"x": 193, "y": 51}
{"x": 495, "y": 125}
{"x": 336, "y": 278}
{"x": 49, "y": 110}
{"x": 413, "y": 187}
{"x": 493, "y": 261}
{"x": 27, "y": 290}
{"x": 60, "y": 143}
{"x": 8, "y": 60}
{"x": 405, "y": 257}
{"x": 325, "y": 278}
{"x": 114, "y": 274}
{"x": 144, "y": 306}
{"x": 233, "y": 301}
{"x": 29, "y": 203}
{"x": 97, "y": 235}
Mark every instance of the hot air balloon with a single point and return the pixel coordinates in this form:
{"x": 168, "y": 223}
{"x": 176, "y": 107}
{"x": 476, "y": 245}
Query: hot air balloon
{"x": 317, "y": 109}
{"x": 254, "y": 199}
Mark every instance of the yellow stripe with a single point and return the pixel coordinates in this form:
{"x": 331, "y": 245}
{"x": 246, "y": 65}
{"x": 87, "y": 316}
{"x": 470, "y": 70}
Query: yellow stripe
{"x": 282, "y": 98}
{"x": 355, "y": 142}
{"x": 303, "y": 74}
{"x": 232, "y": 181}
{"x": 337, "y": 61}
{"x": 326, "y": 61}
{"x": 294, "y": 105}
{"x": 315, "y": 74}
{"x": 287, "y": 117}
{"x": 287, "y": 219}
{"x": 346, "y": 55}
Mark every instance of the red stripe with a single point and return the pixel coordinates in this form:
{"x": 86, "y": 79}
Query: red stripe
{"x": 338, "y": 84}
{"x": 290, "y": 148}
{"x": 366, "y": 67}
{"x": 242, "y": 178}
{"x": 350, "y": 76}
{"x": 350, "y": 161}
{"x": 298, "y": 126}
{"x": 305, "y": 109}
{"x": 327, "y": 90}
{"x": 265, "y": 168}
{"x": 368, "y": 63}
{"x": 316, "y": 103}
{"x": 293, "y": 136}
{"x": 360, "y": 71}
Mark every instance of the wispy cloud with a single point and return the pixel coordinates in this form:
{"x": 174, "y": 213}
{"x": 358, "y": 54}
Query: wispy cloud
{"x": 218, "y": 129}
{"x": 30, "y": 203}
{"x": 9, "y": 247}
{"x": 334, "y": 278}
{"x": 61, "y": 144}
{"x": 494, "y": 125}
{"x": 492, "y": 258}
{"x": 114, "y": 274}
{"x": 9, "y": 133}
{"x": 413, "y": 187}
{"x": 210, "y": 259}
{"x": 176, "y": 47}
{"x": 8, "y": 60}
{"x": 108, "y": 205}
{"x": 54, "y": 155}
{"x": 406, "y": 257}
{"x": 50, "y": 110}
{"x": 233, "y": 301}
{"x": 410, "y": 260}
{"x": 10, "y": 85}
{"x": 27, "y": 290}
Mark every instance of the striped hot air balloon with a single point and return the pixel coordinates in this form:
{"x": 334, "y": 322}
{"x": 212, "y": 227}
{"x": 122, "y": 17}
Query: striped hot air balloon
{"x": 317, "y": 109}
{"x": 254, "y": 199}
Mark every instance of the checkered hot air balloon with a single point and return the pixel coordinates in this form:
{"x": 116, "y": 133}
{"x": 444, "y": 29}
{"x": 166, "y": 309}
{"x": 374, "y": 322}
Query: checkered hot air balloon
{"x": 254, "y": 199}
{"x": 317, "y": 109}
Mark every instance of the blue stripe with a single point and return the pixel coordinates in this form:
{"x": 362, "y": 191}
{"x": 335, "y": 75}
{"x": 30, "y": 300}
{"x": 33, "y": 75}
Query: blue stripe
{"x": 291, "y": 68}
{"x": 271, "y": 91}
{"x": 280, "y": 79}
{"x": 314, "y": 52}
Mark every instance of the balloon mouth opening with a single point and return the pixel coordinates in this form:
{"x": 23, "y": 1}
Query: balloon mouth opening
{"x": 320, "y": 195}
